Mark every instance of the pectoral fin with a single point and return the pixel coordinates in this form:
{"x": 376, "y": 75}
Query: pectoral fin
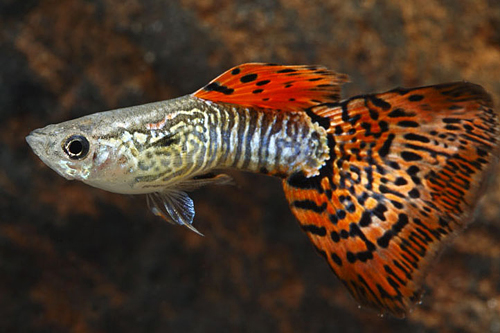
{"x": 206, "y": 179}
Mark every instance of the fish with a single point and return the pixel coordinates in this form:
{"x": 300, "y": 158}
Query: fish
{"x": 378, "y": 182}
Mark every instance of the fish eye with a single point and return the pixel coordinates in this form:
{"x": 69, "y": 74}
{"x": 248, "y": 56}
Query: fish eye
{"x": 76, "y": 147}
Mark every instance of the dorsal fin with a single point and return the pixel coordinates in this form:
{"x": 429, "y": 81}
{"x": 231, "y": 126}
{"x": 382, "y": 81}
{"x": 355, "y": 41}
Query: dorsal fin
{"x": 288, "y": 88}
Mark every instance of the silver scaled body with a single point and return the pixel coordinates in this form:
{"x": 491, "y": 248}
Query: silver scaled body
{"x": 166, "y": 148}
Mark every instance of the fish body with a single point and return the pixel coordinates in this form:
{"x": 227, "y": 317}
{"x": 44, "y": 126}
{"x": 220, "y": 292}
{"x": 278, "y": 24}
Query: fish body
{"x": 151, "y": 147}
{"x": 376, "y": 181}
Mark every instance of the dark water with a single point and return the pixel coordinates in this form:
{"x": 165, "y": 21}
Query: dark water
{"x": 77, "y": 259}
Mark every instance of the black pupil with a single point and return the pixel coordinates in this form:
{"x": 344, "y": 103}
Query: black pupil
{"x": 75, "y": 147}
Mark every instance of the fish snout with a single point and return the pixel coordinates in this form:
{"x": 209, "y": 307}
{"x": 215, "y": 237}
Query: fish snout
{"x": 36, "y": 140}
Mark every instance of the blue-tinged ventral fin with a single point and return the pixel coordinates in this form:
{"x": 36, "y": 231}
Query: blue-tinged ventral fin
{"x": 173, "y": 206}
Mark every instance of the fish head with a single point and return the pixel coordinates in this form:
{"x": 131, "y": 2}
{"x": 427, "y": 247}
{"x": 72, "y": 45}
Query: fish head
{"x": 133, "y": 150}
{"x": 80, "y": 150}
{"x": 65, "y": 149}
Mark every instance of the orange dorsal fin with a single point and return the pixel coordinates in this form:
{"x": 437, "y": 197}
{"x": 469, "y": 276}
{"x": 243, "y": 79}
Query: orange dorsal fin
{"x": 406, "y": 169}
{"x": 269, "y": 86}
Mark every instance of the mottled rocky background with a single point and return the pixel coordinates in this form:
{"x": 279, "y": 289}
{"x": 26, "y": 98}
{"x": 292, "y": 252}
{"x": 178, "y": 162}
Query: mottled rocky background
{"x": 77, "y": 259}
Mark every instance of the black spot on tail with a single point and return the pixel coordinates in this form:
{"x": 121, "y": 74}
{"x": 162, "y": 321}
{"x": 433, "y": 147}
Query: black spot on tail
{"x": 287, "y": 70}
{"x": 315, "y": 230}
{"x": 416, "y": 137}
{"x": 415, "y": 98}
{"x": 386, "y": 146}
{"x": 310, "y": 205}
{"x": 379, "y": 102}
{"x": 248, "y": 78}
{"x": 408, "y": 123}
{"x": 409, "y": 156}
{"x": 262, "y": 83}
{"x": 322, "y": 121}
{"x": 214, "y": 86}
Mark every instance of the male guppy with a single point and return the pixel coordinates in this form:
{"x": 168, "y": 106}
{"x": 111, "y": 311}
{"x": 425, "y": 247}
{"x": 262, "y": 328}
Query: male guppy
{"x": 377, "y": 182}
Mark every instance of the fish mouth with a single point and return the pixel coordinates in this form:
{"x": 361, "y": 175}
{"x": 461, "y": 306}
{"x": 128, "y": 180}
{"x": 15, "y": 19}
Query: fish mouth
{"x": 36, "y": 140}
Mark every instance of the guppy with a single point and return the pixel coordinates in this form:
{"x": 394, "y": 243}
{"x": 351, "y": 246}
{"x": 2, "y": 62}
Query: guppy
{"x": 377, "y": 181}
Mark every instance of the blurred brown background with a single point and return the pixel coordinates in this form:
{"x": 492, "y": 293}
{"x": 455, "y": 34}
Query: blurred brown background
{"x": 77, "y": 259}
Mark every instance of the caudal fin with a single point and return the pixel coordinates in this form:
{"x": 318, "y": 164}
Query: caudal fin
{"x": 405, "y": 171}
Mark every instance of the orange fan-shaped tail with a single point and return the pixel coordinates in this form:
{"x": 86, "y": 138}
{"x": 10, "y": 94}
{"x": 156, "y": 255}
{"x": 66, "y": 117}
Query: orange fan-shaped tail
{"x": 406, "y": 168}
